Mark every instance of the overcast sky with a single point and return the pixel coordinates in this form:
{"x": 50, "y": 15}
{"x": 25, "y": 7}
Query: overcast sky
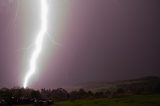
{"x": 87, "y": 41}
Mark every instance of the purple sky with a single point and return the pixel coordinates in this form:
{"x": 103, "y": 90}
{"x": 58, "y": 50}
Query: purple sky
{"x": 103, "y": 40}
{"x": 9, "y": 44}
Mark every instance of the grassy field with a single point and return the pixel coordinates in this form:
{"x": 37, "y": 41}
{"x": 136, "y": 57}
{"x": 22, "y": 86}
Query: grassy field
{"x": 138, "y": 100}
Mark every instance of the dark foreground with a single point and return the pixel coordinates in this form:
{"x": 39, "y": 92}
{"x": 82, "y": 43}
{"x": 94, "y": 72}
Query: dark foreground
{"x": 136, "y": 100}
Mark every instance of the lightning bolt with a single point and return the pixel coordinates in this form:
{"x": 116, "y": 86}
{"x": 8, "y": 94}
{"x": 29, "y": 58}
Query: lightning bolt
{"x": 38, "y": 42}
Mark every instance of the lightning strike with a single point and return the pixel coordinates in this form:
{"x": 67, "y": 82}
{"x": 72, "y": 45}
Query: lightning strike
{"x": 38, "y": 42}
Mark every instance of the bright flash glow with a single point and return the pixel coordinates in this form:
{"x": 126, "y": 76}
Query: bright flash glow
{"x": 38, "y": 42}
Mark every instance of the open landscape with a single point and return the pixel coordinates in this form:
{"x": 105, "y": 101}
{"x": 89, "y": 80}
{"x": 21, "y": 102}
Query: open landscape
{"x": 79, "y": 52}
{"x": 143, "y": 91}
{"x": 136, "y": 100}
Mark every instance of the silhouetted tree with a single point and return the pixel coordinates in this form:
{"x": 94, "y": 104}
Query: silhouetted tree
{"x": 35, "y": 94}
{"x": 60, "y": 94}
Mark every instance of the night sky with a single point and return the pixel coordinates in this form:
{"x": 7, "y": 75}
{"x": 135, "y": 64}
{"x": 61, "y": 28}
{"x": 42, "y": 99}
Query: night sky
{"x": 87, "y": 41}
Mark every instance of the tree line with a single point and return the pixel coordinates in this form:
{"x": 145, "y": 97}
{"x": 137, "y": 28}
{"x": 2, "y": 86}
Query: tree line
{"x": 30, "y": 96}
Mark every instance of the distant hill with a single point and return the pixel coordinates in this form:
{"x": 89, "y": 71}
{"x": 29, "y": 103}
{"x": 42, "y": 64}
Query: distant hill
{"x": 148, "y": 83}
